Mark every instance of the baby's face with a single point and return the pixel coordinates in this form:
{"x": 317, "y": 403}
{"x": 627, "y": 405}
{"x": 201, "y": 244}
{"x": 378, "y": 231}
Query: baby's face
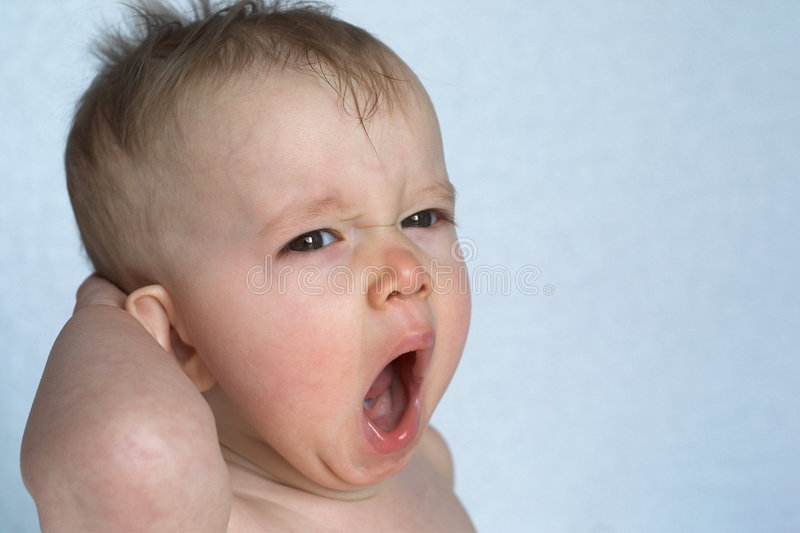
{"x": 319, "y": 277}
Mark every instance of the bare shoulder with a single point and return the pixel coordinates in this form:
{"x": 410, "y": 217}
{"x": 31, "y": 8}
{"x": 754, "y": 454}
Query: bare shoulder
{"x": 434, "y": 449}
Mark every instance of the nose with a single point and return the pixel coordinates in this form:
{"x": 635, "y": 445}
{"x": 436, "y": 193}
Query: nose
{"x": 400, "y": 276}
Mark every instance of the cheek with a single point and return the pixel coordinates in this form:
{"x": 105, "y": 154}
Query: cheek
{"x": 457, "y": 302}
{"x": 456, "y": 311}
{"x": 450, "y": 278}
{"x": 269, "y": 346}
{"x": 451, "y": 291}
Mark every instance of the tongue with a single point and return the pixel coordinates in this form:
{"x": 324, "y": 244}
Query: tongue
{"x": 386, "y": 400}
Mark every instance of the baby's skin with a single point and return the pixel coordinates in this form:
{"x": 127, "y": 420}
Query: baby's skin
{"x": 240, "y": 393}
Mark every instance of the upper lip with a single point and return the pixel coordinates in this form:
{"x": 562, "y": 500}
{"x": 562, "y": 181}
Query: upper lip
{"x": 419, "y": 340}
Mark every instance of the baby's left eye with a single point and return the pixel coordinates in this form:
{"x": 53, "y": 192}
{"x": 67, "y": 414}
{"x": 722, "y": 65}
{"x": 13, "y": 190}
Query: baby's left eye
{"x": 422, "y": 219}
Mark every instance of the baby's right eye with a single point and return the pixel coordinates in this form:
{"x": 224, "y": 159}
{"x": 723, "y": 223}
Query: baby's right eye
{"x": 313, "y": 240}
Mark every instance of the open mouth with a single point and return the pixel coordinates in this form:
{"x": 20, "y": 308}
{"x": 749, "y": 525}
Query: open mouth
{"x": 388, "y": 397}
{"x": 393, "y": 405}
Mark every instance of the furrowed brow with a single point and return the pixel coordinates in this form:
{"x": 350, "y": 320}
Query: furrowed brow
{"x": 443, "y": 190}
{"x": 311, "y": 208}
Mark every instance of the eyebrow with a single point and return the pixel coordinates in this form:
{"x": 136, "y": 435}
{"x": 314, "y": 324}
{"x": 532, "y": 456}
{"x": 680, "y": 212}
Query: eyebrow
{"x": 312, "y": 207}
{"x": 315, "y": 207}
{"x": 442, "y": 189}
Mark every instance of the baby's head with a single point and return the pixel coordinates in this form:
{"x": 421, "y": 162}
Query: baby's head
{"x": 126, "y": 153}
{"x": 269, "y": 185}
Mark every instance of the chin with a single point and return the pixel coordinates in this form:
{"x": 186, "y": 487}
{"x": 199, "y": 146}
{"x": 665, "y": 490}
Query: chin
{"x": 372, "y": 470}
{"x": 373, "y": 459}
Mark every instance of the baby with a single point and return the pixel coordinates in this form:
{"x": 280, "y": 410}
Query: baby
{"x": 266, "y": 186}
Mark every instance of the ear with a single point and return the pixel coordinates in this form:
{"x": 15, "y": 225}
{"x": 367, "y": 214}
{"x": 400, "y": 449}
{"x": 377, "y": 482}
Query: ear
{"x": 152, "y": 306}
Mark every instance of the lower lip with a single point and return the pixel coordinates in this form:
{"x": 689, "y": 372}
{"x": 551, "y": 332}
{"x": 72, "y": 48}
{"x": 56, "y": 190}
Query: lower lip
{"x": 403, "y": 436}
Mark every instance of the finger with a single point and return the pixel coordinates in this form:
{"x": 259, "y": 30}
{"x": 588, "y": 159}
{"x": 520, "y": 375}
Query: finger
{"x": 98, "y": 291}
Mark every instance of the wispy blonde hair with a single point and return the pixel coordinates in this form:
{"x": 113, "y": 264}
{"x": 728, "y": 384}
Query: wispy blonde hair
{"x": 126, "y": 126}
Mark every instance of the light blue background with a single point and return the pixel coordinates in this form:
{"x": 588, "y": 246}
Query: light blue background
{"x": 644, "y": 156}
